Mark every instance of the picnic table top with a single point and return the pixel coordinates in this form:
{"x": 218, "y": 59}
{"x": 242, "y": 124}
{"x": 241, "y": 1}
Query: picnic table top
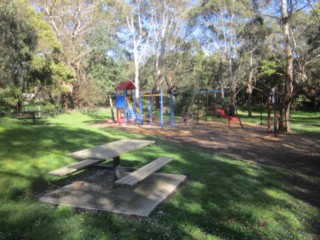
{"x": 111, "y": 150}
{"x": 99, "y": 154}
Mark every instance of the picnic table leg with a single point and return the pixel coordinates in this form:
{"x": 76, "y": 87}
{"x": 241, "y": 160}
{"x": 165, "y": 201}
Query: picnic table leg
{"x": 116, "y": 164}
{"x": 33, "y": 117}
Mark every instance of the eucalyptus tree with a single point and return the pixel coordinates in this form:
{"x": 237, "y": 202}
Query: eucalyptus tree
{"x": 219, "y": 23}
{"x": 309, "y": 55}
{"x": 252, "y": 39}
{"x": 168, "y": 25}
{"x": 135, "y": 33}
{"x": 75, "y": 24}
{"x": 283, "y": 12}
{"x": 18, "y": 42}
{"x": 106, "y": 66}
{"x": 49, "y": 72}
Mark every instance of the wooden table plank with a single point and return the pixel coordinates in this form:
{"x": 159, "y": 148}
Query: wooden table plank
{"x": 75, "y": 167}
{"x": 111, "y": 150}
{"x": 134, "y": 177}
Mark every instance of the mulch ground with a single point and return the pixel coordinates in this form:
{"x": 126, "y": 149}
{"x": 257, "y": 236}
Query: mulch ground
{"x": 296, "y": 153}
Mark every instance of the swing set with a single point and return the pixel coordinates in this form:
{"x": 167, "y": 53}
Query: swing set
{"x": 230, "y": 115}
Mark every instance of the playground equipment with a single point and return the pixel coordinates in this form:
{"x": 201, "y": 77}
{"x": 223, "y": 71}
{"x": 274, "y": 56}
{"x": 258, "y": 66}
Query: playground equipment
{"x": 133, "y": 112}
{"x": 125, "y": 111}
{"x": 222, "y": 113}
{"x": 209, "y": 107}
{"x": 161, "y": 95}
{"x": 231, "y": 114}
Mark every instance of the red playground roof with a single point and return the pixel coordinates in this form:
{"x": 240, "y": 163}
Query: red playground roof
{"x": 126, "y": 85}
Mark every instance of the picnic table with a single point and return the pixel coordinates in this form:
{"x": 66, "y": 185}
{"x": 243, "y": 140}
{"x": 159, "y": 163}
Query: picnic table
{"x": 31, "y": 114}
{"x": 113, "y": 150}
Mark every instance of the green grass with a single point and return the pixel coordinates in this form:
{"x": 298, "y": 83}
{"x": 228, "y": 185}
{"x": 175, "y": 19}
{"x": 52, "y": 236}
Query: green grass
{"x": 301, "y": 122}
{"x": 221, "y": 199}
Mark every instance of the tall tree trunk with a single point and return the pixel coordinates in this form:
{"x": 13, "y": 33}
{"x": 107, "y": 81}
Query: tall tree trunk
{"x": 111, "y": 108}
{"x": 20, "y": 106}
{"x": 169, "y": 79}
{"x": 232, "y": 83}
{"x": 136, "y": 79}
{"x": 250, "y": 85}
{"x": 288, "y": 91}
{"x": 221, "y": 80}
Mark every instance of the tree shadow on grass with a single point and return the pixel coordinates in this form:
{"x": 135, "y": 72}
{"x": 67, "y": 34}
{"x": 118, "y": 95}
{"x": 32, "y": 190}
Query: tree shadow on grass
{"x": 35, "y": 141}
{"x": 222, "y": 197}
{"x": 34, "y": 150}
{"x": 234, "y": 200}
{"x": 19, "y": 143}
{"x": 27, "y": 153}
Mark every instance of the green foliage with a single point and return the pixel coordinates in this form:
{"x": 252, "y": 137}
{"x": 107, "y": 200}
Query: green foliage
{"x": 269, "y": 67}
{"x": 32, "y": 49}
{"x": 46, "y": 62}
{"x": 106, "y": 72}
{"x": 82, "y": 49}
{"x": 17, "y": 45}
{"x": 48, "y": 42}
{"x": 272, "y": 73}
{"x": 184, "y": 101}
{"x": 313, "y": 29}
{"x": 8, "y": 96}
{"x": 48, "y": 71}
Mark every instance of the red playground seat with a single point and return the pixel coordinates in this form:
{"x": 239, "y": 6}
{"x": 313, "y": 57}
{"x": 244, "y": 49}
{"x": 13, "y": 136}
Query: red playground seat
{"x": 222, "y": 113}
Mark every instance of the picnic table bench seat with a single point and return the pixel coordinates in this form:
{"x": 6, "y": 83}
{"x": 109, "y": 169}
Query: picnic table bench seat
{"x": 134, "y": 177}
{"x": 75, "y": 167}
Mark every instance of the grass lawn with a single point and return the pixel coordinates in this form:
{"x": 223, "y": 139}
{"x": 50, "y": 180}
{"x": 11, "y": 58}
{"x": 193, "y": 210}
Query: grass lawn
{"x": 301, "y": 122}
{"x": 221, "y": 199}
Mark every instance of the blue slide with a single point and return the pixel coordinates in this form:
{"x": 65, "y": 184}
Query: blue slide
{"x": 132, "y": 113}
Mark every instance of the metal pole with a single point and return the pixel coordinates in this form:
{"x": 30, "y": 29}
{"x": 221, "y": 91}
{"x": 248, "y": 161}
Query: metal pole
{"x": 141, "y": 111}
{"x": 134, "y": 106}
{"x": 126, "y": 107}
{"x": 151, "y": 105}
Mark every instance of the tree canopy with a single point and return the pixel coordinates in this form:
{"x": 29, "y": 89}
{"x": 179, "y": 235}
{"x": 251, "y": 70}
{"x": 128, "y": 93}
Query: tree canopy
{"x": 73, "y": 53}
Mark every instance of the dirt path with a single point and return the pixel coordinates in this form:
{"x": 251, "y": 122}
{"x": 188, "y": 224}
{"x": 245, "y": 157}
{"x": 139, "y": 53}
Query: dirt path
{"x": 294, "y": 152}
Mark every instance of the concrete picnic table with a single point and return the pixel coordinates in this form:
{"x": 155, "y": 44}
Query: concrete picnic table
{"x": 102, "y": 153}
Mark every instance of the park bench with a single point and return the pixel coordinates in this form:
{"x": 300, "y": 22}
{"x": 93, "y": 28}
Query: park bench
{"x": 140, "y": 174}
